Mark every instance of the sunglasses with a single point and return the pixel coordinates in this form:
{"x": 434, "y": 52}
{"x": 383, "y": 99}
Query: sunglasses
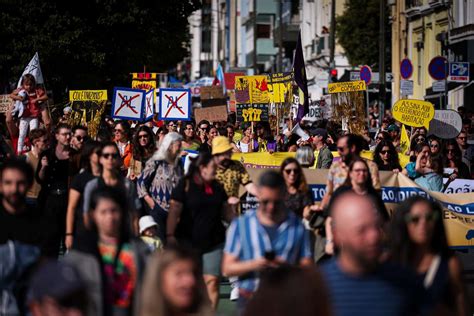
{"x": 415, "y": 219}
{"x": 108, "y": 155}
{"x": 434, "y": 145}
{"x": 143, "y": 136}
{"x": 420, "y": 139}
{"x": 379, "y": 138}
{"x": 80, "y": 138}
{"x": 288, "y": 171}
{"x": 118, "y": 130}
{"x": 383, "y": 152}
{"x": 341, "y": 148}
{"x": 462, "y": 138}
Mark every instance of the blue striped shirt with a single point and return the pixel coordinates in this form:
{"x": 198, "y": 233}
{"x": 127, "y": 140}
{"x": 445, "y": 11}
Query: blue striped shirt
{"x": 291, "y": 243}
{"x": 389, "y": 291}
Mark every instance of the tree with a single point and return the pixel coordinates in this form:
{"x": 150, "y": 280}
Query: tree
{"x": 92, "y": 44}
{"x": 357, "y": 31}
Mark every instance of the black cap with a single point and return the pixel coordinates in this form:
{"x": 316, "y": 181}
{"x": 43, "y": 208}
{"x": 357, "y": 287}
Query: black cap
{"x": 318, "y": 132}
{"x": 56, "y": 280}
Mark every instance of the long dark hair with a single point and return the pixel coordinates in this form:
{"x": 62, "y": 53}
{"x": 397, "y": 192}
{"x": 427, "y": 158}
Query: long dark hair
{"x": 457, "y": 153}
{"x": 403, "y": 250}
{"x": 89, "y": 148}
{"x": 393, "y": 161}
{"x": 301, "y": 184}
{"x": 143, "y": 152}
{"x": 203, "y": 159}
{"x": 368, "y": 183}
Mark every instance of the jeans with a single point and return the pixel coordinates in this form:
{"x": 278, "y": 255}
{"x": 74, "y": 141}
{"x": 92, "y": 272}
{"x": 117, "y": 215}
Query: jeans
{"x": 160, "y": 216}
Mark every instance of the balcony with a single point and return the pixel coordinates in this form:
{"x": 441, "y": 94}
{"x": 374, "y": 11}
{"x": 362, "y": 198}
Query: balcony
{"x": 290, "y": 32}
{"x": 265, "y": 46}
{"x": 461, "y": 33}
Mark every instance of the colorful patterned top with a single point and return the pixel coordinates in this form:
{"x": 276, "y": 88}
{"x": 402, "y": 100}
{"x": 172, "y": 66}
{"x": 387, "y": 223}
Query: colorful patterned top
{"x": 232, "y": 177}
{"x": 338, "y": 173}
{"x": 120, "y": 284}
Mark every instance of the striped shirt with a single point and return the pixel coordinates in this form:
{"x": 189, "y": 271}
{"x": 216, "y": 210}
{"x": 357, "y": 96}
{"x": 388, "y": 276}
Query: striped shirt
{"x": 390, "y": 291}
{"x": 291, "y": 243}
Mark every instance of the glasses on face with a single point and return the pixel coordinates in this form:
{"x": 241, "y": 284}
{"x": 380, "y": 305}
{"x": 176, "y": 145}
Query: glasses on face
{"x": 80, "y": 138}
{"x": 143, "y": 136}
{"x": 379, "y": 138}
{"x": 420, "y": 139}
{"x": 462, "y": 138}
{"x": 110, "y": 155}
{"x": 434, "y": 145}
{"x": 341, "y": 148}
{"x": 415, "y": 219}
{"x": 117, "y": 130}
{"x": 384, "y": 152}
{"x": 189, "y": 128}
{"x": 289, "y": 171}
{"x": 171, "y": 125}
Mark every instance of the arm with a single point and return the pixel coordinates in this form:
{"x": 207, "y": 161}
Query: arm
{"x": 14, "y": 95}
{"x": 73, "y": 200}
{"x": 251, "y": 188}
{"x": 327, "y": 195}
{"x": 232, "y": 266}
{"x": 228, "y": 212}
{"x": 11, "y": 125}
{"x": 457, "y": 285}
{"x": 41, "y": 169}
{"x": 144, "y": 182}
{"x": 329, "y": 247}
{"x": 174, "y": 214}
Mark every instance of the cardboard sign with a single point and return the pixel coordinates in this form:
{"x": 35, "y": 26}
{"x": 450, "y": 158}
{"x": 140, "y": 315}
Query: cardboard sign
{"x": 212, "y": 114}
{"x": 252, "y": 112}
{"x": 175, "y": 104}
{"x": 87, "y": 95}
{"x": 232, "y": 101}
{"x": 446, "y": 124}
{"x": 211, "y": 92}
{"x": 5, "y": 103}
{"x": 348, "y": 86}
{"x": 128, "y": 104}
{"x": 414, "y": 113}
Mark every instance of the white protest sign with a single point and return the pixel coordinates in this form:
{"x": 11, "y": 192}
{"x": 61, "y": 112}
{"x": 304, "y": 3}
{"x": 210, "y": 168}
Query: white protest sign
{"x": 128, "y": 103}
{"x": 446, "y": 124}
{"x": 149, "y": 104}
{"x": 459, "y": 186}
{"x": 175, "y": 104}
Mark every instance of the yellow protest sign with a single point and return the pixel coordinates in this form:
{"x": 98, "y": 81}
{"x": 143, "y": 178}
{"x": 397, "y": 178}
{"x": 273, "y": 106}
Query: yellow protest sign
{"x": 280, "y": 87}
{"x": 87, "y": 95}
{"x": 349, "y": 86}
{"x": 258, "y": 88}
{"x": 414, "y": 113}
{"x": 144, "y": 84}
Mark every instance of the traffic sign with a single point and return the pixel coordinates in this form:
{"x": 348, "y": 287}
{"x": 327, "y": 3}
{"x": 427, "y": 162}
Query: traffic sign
{"x": 406, "y": 87}
{"x": 458, "y": 72}
{"x": 366, "y": 74}
{"x": 437, "y": 68}
{"x": 439, "y": 86}
{"x": 406, "y": 68}
{"x": 355, "y": 75}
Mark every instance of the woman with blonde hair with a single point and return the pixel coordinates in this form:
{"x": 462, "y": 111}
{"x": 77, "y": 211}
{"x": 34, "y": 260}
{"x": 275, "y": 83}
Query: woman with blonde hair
{"x": 173, "y": 285}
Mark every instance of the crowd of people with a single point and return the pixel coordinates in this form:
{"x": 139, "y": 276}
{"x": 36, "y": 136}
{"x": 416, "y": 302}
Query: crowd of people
{"x": 137, "y": 233}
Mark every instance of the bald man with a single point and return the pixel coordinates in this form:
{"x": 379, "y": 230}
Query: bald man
{"x": 359, "y": 284}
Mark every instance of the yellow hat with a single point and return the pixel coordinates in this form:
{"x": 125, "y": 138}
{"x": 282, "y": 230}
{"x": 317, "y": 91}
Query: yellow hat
{"x": 220, "y": 144}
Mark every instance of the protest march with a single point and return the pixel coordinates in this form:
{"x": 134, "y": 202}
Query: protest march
{"x": 241, "y": 193}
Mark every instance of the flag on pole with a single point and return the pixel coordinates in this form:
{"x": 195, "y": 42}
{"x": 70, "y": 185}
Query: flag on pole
{"x": 404, "y": 140}
{"x": 34, "y": 69}
{"x": 300, "y": 79}
{"x": 219, "y": 79}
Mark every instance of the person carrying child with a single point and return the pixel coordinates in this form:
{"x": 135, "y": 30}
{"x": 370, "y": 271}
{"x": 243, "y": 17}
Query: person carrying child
{"x": 28, "y": 107}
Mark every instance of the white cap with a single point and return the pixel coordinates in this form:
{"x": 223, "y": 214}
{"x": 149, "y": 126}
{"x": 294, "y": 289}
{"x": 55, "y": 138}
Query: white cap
{"x": 146, "y": 222}
{"x": 67, "y": 109}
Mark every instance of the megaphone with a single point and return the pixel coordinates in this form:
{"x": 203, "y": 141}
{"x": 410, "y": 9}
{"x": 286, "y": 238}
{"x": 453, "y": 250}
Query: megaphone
{"x": 300, "y": 132}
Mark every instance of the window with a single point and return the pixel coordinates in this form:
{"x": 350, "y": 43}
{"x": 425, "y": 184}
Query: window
{"x": 263, "y": 31}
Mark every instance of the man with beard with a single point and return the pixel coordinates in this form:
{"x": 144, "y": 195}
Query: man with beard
{"x": 53, "y": 172}
{"x": 357, "y": 281}
{"x": 78, "y": 138}
{"x": 18, "y": 220}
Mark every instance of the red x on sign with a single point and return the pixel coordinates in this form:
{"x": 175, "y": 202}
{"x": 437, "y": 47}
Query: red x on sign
{"x": 174, "y": 104}
{"x": 127, "y": 103}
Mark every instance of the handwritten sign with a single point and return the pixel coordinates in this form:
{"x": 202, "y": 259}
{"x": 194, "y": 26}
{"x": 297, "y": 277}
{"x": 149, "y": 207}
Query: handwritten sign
{"x": 446, "y": 124}
{"x": 349, "y": 86}
{"x": 128, "y": 103}
{"x": 144, "y": 84}
{"x": 5, "y": 103}
{"x": 252, "y": 112}
{"x": 280, "y": 87}
{"x": 212, "y": 114}
{"x": 87, "y": 95}
{"x": 414, "y": 113}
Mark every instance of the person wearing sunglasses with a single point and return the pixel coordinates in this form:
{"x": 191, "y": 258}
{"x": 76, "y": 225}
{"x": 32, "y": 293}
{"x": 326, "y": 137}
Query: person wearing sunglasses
{"x": 265, "y": 238}
{"x": 111, "y": 176}
{"x": 418, "y": 241}
{"x": 143, "y": 147}
{"x": 79, "y": 135}
{"x": 435, "y": 145}
{"x": 386, "y": 157}
{"x": 466, "y": 149}
{"x": 453, "y": 163}
{"x": 122, "y": 134}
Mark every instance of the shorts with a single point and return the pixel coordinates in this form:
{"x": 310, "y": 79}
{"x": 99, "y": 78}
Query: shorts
{"x": 211, "y": 261}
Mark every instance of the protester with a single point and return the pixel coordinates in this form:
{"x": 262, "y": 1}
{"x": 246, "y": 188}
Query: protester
{"x": 173, "y": 285}
{"x": 422, "y": 153}
{"x": 39, "y": 143}
{"x": 160, "y": 175}
{"x": 79, "y": 136}
{"x": 265, "y": 141}
{"x": 206, "y": 145}
{"x": 358, "y": 282}
{"x": 394, "y": 132}
{"x": 265, "y": 238}
{"x": 322, "y": 154}
{"x": 467, "y": 150}
{"x": 90, "y": 169}
{"x": 419, "y": 242}
{"x": 386, "y": 157}
{"x": 287, "y": 291}
{"x": 20, "y": 221}
{"x": 198, "y": 205}
{"x": 149, "y": 233}
{"x": 245, "y": 144}
{"x": 53, "y": 173}
{"x": 305, "y": 156}
{"x": 56, "y": 289}
{"x": 189, "y": 141}
{"x": 230, "y": 133}
{"x": 453, "y": 163}
{"x": 143, "y": 147}
{"x": 172, "y": 126}
{"x": 111, "y": 177}
{"x": 33, "y": 96}
{"x": 431, "y": 173}
{"x": 111, "y": 262}
{"x": 298, "y": 198}
{"x": 122, "y": 139}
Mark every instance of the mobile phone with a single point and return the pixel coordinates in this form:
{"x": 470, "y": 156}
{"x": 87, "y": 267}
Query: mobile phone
{"x": 270, "y": 255}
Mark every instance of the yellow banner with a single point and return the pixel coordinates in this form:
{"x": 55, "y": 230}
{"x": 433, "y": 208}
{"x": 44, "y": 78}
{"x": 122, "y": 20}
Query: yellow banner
{"x": 87, "y": 95}
{"x": 349, "y": 86}
{"x": 414, "y": 113}
{"x": 458, "y": 209}
{"x": 144, "y": 84}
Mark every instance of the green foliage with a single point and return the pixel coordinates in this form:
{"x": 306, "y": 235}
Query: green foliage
{"x": 92, "y": 44}
{"x": 357, "y": 31}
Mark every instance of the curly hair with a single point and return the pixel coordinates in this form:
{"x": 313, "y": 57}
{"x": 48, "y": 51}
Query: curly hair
{"x": 139, "y": 152}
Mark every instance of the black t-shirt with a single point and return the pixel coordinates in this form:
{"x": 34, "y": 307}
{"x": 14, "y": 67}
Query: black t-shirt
{"x": 29, "y": 227}
{"x": 201, "y": 218}
{"x": 78, "y": 183}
